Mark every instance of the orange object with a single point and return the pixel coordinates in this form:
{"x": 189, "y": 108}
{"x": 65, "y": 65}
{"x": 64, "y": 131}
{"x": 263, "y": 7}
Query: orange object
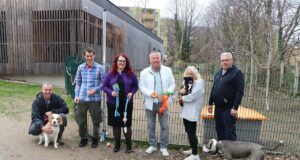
{"x": 243, "y": 113}
{"x": 164, "y": 106}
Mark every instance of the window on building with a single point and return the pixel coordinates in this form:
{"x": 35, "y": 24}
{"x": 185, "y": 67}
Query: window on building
{"x": 61, "y": 33}
{"x": 3, "y": 38}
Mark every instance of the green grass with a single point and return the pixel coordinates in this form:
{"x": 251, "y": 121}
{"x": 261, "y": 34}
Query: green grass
{"x": 16, "y": 98}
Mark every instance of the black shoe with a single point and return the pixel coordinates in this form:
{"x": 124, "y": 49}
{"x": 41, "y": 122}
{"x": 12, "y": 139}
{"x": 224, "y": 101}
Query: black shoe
{"x": 60, "y": 142}
{"x": 94, "y": 143}
{"x": 128, "y": 150}
{"x": 116, "y": 149}
{"x": 117, "y": 145}
{"x": 83, "y": 142}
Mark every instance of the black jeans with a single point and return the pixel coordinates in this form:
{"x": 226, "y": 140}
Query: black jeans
{"x": 95, "y": 111}
{"x": 225, "y": 124}
{"x": 190, "y": 129}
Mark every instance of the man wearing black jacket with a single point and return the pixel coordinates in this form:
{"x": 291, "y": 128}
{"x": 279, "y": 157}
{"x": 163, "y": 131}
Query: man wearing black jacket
{"x": 226, "y": 94}
{"x": 43, "y": 106}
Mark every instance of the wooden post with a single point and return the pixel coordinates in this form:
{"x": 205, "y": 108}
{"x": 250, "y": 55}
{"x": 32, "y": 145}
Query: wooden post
{"x": 104, "y": 38}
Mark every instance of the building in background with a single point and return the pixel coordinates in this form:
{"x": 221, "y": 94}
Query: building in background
{"x": 150, "y": 18}
{"x": 48, "y": 31}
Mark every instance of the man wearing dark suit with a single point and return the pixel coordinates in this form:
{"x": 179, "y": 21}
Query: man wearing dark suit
{"x": 226, "y": 94}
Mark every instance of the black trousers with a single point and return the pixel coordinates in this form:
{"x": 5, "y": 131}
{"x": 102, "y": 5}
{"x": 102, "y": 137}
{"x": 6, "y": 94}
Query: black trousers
{"x": 225, "y": 124}
{"x": 190, "y": 129}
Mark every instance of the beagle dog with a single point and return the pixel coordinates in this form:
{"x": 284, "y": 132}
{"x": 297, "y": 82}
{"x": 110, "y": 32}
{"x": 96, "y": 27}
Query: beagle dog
{"x": 237, "y": 149}
{"x": 54, "y": 121}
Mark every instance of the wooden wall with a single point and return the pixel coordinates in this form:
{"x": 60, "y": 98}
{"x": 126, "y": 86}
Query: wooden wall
{"x": 37, "y": 35}
{"x": 17, "y": 35}
{"x": 3, "y": 38}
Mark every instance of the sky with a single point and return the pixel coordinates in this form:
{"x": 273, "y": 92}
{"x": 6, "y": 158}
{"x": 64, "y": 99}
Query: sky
{"x": 156, "y": 4}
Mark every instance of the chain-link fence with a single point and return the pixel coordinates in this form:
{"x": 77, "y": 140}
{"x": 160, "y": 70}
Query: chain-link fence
{"x": 281, "y": 119}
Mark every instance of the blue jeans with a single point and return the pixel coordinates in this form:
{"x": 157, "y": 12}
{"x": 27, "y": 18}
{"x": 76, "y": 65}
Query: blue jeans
{"x": 164, "y": 125}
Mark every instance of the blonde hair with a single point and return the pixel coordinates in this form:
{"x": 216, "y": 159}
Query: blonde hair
{"x": 195, "y": 72}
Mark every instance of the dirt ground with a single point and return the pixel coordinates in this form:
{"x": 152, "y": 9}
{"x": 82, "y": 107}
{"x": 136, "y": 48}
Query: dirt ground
{"x": 17, "y": 144}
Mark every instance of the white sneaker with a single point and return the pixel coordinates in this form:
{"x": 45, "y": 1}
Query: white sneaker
{"x": 187, "y": 152}
{"x": 150, "y": 150}
{"x": 164, "y": 152}
{"x": 192, "y": 157}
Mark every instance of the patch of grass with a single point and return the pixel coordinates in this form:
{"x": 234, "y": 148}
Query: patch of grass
{"x": 16, "y": 98}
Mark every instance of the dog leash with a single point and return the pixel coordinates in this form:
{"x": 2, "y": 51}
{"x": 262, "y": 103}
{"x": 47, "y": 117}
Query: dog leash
{"x": 116, "y": 89}
{"x": 125, "y": 111}
{"x": 125, "y": 115}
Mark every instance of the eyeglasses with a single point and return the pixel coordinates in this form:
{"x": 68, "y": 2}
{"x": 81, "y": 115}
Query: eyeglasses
{"x": 122, "y": 61}
{"x": 225, "y": 60}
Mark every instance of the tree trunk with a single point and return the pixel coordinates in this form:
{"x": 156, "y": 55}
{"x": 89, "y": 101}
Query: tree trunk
{"x": 181, "y": 40}
{"x": 296, "y": 81}
{"x": 256, "y": 75}
{"x": 280, "y": 41}
{"x": 281, "y": 75}
{"x": 269, "y": 49}
{"x": 251, "y": 47}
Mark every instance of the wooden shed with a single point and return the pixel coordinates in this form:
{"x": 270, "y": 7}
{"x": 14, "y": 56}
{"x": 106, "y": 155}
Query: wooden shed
{"x": 248, "y": 125}
{"x": 37, "y": 35}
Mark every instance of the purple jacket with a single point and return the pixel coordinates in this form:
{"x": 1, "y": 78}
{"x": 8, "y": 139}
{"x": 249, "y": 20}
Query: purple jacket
{"x": 130, "y": 82}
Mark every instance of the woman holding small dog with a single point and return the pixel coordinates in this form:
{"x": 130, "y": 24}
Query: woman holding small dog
{"x": 192, "y": 98}
{"x": 120, "y": 84}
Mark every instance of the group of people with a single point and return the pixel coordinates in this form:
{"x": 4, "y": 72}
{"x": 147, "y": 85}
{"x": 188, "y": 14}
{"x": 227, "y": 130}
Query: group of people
{"x": 120, "y": 84}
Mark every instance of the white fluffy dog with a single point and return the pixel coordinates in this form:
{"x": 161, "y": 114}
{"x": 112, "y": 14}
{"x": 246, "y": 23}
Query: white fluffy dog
{"x": 54, "y": 121}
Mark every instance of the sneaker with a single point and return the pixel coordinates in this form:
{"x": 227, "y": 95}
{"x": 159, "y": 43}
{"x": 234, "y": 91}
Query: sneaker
{"x": 83, "y": 142}
{"x": 150, "y": 150}
{"x": 187, "y": 152}
{"x": 192, "y": 157}
{"x": 94, "y": 143}
{"x": 164, "y": 152}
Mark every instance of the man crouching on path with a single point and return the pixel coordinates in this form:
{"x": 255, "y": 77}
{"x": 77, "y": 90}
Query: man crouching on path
{"x": 43, "y": 106}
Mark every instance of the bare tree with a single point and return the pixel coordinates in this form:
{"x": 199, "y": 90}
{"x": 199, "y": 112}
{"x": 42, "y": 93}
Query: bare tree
{"x": 167, "y": 29}
{"x": 268, "y": 6}
{"x": 288, "y": 16}
{"x": 253, "y": 8}
{"x": 186, "y": 15}
{"x": 141, "y": 9}
{"x": 259, "y": 32}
